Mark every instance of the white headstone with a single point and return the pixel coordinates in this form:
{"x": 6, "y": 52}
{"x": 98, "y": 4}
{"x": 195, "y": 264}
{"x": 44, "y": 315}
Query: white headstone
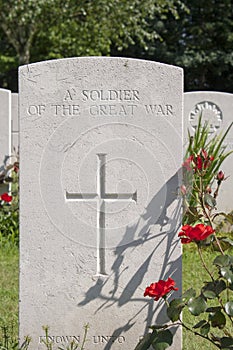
{"x": 15, "y": 122}
{"x": 216, "y": 108}
{"x": 5, "y": 132}
{"x": 100, "y": 151}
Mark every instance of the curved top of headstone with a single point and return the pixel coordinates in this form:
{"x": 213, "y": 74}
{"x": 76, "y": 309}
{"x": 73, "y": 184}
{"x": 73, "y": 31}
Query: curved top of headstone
{"x": 207, "y": 92}
{"x": 215, "y": 107}
{"x": 100, "y": 59}
{"x": 2, "y": 90}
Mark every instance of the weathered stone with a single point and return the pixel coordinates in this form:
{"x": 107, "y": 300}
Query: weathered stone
{"x": 5, "y": 134}
{"x": 15, "y": 122}
{"x": 100, "y": 151}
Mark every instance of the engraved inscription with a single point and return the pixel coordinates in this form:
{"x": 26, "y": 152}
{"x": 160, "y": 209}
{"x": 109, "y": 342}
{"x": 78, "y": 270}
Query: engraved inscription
{"x": 101, "y": 198}
{"x": 60, "y": 339}
{"x": 112, "y": 110}
{"x": 110, "y": 95}
{"x": 159, "y": 110}
{"x": 106, "y": 103}
{"x": 36, "y": 109}
{"x": 210, "y": 113}
{"x": 96, "y": 339}
{"x": 66, "y": 110}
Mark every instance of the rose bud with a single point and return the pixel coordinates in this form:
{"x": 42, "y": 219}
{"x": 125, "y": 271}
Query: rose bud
{"x": 220, "y": 175}
{"x": 208, "y": 189}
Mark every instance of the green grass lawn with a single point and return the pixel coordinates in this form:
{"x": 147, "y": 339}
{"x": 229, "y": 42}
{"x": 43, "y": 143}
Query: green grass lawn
{"x": 9, "y": 276}
{"x": 192, "y": 276}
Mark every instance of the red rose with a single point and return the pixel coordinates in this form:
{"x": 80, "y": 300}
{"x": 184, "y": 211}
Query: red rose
{"x": 6, "y": 198}
{"x": 193, "y": 234}
{"x": 159, "y": 289}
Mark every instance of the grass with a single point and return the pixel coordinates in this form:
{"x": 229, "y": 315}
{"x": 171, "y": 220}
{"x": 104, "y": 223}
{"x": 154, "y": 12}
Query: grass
{"x": 192, "y": 276}
{"x": 9, "y": 276}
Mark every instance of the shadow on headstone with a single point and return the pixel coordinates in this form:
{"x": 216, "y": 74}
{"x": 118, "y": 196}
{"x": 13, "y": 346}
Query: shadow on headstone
{"x": 169, "y": 268}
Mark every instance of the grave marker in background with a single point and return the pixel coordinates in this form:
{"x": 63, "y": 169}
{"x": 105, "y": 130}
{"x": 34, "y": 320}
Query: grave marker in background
{"x": 15, "y": 122}
{"x": 5, "y": 131}
{"x": 216, "y": 107}
{"x": 99, "y": 220}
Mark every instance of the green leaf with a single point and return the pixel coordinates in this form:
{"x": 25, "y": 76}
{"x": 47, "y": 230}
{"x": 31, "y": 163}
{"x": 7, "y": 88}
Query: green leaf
{"x": 212, "y": 289}
{"x": 222, "y": 260}
{"x": 174, "y": 309}
{"x": 209, "y": 294}
{"x": 204, "y": 330}
{"x": 227, "y": 273}
{"x": 229, "y": 308}
{"x": 146, "y": 341}
{"x": 226, "y": 342}
{"x": 226, "y": 240}
{"x": 229, "y": 218}
{"x": 213, "y": 309}
{"x": 210, "y": 200}
{"x": 190, "y": 293}
{"x": 197, "y": 305}
{"x": 217, "y": 319}
{"x": 163, "y": 340}
{"x": 200, "y": 324}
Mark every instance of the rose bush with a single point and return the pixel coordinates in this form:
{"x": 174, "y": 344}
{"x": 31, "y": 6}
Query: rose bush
{"x": 213, "y": 303}
{"x": 9, "y": 203}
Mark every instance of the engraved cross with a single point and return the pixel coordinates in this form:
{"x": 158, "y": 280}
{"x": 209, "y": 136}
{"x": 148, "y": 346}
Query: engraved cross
{"x": 101, "y": 198}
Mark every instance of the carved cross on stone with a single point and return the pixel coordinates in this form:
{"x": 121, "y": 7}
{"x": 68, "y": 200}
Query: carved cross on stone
{"x": 101, "y": 198}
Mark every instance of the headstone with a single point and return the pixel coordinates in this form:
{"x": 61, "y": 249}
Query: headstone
{"x": 100, "y": 150}
{"x": 216, "y": 108}
{"x": 5, "y": 133}
{"x": 15, "y": 122}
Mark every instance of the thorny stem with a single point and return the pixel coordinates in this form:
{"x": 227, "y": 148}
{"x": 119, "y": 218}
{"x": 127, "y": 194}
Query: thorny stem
{"x": 206, "y": 214}
{"x": 200, "y": 335}
{"x": 204, "y": 264}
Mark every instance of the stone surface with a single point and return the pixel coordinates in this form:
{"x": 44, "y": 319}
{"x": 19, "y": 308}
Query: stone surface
{"x": 5, "y": 134}
{"x": 216, "y": 108}
{"x": 100, "y": 150}
{"x": 15, "y": 122}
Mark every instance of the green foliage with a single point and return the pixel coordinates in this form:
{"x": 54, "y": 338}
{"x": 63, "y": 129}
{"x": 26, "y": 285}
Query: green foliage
{"x": 195, "y": 35}
{"x": 200, "y": 41}
{"x": 9, "y": 217}
{"x": 8, "y": 340}
{"x": 159, "y": 339}
{"x": 44, "y": 29}
{"x": 204, "y": 157}
{"x": 9, "y": 287}
{"x": 212, "y": 304}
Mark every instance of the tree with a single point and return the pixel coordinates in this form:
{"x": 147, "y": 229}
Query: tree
{"x": 43, "y": 29}
{"x": 200, "y": 41}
